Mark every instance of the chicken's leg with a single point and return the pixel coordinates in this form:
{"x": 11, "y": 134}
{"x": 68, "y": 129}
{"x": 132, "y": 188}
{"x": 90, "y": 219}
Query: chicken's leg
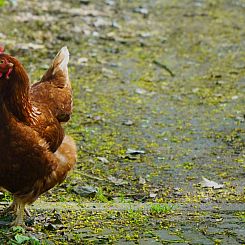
{"x": 20, "y": 210}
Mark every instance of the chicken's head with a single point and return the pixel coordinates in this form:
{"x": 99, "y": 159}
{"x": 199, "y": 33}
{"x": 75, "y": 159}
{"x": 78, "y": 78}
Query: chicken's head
{"x": 6, "y": 66}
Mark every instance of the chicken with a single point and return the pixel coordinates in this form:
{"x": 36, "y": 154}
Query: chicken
{"x": 35, "y": 153}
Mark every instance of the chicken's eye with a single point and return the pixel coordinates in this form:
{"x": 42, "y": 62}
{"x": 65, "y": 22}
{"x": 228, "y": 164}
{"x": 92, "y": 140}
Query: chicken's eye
{"x": 1, "y": 61}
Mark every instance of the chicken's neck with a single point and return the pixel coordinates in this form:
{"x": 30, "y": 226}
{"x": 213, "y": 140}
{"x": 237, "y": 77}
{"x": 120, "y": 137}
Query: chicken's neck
{"x": 16, "y": 96}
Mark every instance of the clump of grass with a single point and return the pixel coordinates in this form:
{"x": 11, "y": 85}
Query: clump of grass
{"x": 161, "y": 208}
{"x": 136, "y": 217}
{"x": 7, "y": 197}
{"x": 241, "y": 215}
{"x": 100, "y": 196}
{"x": 17, "y": 236}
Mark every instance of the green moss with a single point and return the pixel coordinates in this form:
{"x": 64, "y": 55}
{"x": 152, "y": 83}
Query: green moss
{"x": 189, "y": 124}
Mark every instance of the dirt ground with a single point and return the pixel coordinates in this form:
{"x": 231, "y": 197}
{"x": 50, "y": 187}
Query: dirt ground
{"x": 158, "y": 105}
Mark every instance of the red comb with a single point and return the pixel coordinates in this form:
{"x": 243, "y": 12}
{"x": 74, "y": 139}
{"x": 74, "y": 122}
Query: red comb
{"x": 1, "y": 49}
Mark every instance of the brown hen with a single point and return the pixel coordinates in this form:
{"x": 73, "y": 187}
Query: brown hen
{"x": 35, "y": 154}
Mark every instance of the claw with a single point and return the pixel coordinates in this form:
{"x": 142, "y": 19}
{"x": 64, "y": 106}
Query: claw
{"x": 20, "y": 210}
{"x": 27, "y": 212}
{"x": 17, "y": 209}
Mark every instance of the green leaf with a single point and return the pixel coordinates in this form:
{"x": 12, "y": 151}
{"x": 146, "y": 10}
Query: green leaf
{"x": 21, "y": 238}
{"x": 34, "y": 241}
{"x": 18, "y": 229}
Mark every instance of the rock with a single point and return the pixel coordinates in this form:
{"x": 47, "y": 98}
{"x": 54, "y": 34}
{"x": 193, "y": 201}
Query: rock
{"x": 85, "y": 191}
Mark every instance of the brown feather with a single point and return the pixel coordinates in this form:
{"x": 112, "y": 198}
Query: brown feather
{"x": 35, "y": 154}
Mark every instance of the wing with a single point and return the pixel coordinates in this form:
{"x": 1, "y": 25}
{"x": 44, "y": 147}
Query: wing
{"x": 54, "y": 89}
{"x": 24, "y": 157}
{"x": 27, "y": 166}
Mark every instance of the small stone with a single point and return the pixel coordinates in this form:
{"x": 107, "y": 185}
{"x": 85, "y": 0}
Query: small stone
{"x": 85, "y": 191}
{"x": 82, "y": 60}
{"x": 128, "y": 123}
{"x": 141, "y": 10}
{"x": 140, "y": 91}
{"x": 235, "y": 97}
{"x": 195, "y": 90}
{"x": 145, "y": 34}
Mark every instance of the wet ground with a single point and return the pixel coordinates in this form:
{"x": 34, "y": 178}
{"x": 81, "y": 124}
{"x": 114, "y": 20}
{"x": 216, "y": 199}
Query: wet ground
{"x": 158, "y": 104}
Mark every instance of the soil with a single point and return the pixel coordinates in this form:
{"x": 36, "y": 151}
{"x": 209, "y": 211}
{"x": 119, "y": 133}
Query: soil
{"x": 158, "y": 104}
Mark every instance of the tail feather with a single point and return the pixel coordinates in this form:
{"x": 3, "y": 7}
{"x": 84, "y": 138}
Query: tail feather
{"x": 45, "y": 91}
{"x": 59, "y": 68}
{"x": 60, "y": 62}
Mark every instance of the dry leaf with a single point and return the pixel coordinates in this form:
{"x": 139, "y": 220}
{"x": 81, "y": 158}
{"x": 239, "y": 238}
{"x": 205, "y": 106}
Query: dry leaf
{"x": 210, "y": 184}
{"x": 117, "y": 181}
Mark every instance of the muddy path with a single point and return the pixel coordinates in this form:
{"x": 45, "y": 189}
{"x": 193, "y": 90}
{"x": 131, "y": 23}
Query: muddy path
{"x": 158, "y": 104}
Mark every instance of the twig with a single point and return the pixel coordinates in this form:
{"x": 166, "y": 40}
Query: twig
{"x": 92, "y": 177}
{"x": 164, "y": 67}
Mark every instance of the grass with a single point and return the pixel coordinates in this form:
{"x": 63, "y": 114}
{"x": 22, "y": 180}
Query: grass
{"x": 162, "y": 208}
{"x": 18, "y": 235}
{"x": 184, "y": 122}
{"x": 100, "y": 196}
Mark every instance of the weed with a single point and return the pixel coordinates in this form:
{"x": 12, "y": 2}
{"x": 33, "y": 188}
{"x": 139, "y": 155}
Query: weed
{"x": 19, "y": 237}
{"x": 136, "y": 217}
{"x": 162, "y": 208}
{"x": 100, "y": 196}
{"x": 7, "y": 197}
{"x": 241, "y": 215}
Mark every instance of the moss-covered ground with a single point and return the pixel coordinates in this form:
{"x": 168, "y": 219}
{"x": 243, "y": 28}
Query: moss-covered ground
{"x": 158, "y": 103}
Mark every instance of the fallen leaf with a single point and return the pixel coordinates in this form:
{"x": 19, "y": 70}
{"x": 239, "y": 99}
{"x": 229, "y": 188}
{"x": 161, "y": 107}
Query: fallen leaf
{"x": 153, "y": 195}
{"x": 133, "y": 151}
{"x": 140, "y": 91}
{"x": 142, "y": 180}
{"x": 117, "y": 181}
{"x": 101, "y": 22}
{"x": 128, "y": 123}
{"x": 103, "y": 159}
{"x": 210, "y": 184}
{"x": 82, "y": 60}
{"x": 141, "y": 10}
{"x": 50, "y": 227}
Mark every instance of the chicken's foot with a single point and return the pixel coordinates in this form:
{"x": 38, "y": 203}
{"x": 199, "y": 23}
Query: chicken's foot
{"x": 20, "y": 211}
